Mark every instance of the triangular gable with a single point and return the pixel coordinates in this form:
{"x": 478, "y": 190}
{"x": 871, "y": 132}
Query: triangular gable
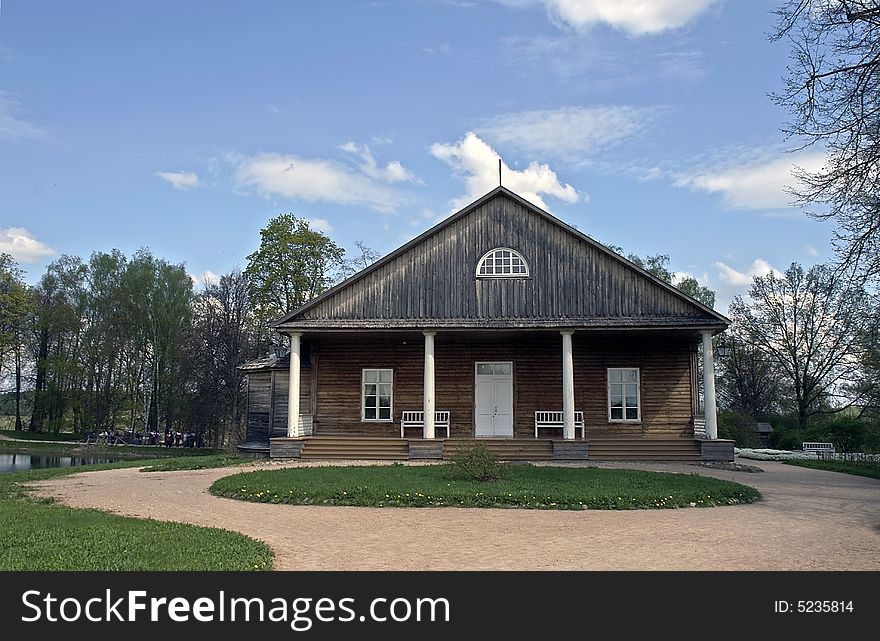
{"x": 574, "y": 281}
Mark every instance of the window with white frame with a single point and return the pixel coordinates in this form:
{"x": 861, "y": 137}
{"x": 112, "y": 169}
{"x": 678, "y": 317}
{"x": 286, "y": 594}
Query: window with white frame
{"x": 623, "y": 394}
{"x": 377, "y": 394}
{"x": 502, "y": 262}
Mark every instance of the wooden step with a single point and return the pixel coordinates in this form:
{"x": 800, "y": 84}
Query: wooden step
{"x": 354, "y": 447}
{"x": 645, "y": 449}
{"x": 506, "y": 449}
{"x": 516, "y": 449}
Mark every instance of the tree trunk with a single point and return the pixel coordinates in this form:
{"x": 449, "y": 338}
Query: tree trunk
{"x": 38, "y": 415}
{"x": 18, "y": 425}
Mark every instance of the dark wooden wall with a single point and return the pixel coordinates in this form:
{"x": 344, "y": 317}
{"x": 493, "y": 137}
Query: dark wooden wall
{"x": 267, "y": 402}
{"x": 665, "y": 364}
{"x": 571, "y": 281}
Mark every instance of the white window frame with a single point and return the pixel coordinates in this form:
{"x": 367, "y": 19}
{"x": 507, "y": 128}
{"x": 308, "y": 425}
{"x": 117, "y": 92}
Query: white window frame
{"x": 513, "y": 254}
{"x": 608, "y": 383}
{"x": 364, "y": 418}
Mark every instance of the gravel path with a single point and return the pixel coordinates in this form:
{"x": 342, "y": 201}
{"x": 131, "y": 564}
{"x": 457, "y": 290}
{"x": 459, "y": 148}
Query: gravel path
{"x": 808, "y": 520}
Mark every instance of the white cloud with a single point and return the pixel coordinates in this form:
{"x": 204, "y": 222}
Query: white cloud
{"x": 207, "y": 278}
{"x": 392, "y": 172}
{"x": 11, "y": 127}
{"x": 313, "y": 180}
{"x": 730, "y": 282}
{"x": 477, "y": 163}
{"x": 21, "y": 245}
{"x": 730, "y": 276}
{"x": 182, "y": 180}
{"x": 811, "y": 251}
{"x": 443, "y": 48}
{"x": 753, "y": 185}
{"x": 568, "y": 131}
{"x": 321, "y": 224}
{"x": 635, "y": 17}
{"x": 596, "y": 68}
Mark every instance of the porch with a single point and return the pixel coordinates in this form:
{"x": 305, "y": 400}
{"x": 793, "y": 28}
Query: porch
{"x": 509, "y": 449}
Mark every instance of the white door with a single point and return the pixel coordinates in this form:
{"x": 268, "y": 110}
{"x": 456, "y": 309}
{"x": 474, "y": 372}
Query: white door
{"x": 494, "y": 399}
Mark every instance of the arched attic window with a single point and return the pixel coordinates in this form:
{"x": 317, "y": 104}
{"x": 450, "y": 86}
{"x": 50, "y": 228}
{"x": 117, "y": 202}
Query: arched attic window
{"x": 502, "y": 262}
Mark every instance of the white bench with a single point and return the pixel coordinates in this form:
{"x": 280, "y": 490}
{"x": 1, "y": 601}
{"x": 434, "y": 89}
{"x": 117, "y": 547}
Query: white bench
{"x": 818, "y": 447}
{"x": 544, "y": 418}
{"x": 417, "y": 419}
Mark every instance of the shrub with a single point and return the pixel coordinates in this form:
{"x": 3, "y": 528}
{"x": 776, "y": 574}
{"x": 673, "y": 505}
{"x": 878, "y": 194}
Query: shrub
{"x": 477, "y": 462}
{"x": 738, "y": 427}
{"x": 848, "y": 435}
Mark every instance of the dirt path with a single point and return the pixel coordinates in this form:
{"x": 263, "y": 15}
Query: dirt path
{"x": 808, "y": 520}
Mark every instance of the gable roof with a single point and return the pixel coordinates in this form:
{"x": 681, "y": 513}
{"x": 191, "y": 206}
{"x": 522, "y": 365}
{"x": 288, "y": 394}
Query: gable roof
{"x": 575, "y": 281}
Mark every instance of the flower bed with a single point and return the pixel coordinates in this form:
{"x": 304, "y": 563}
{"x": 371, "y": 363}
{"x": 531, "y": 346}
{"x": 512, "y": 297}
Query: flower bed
{"x": 773, "y": 455}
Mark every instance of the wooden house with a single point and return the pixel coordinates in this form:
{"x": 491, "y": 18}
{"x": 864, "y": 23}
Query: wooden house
{"x": 503, "y": 324}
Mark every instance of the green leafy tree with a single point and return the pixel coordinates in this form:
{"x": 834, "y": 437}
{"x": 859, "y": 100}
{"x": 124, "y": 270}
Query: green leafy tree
{"x": 59, "y": 319}
{"x": 15, "y": 306}
{"x": 294, "y": 264}
{"x": 658, "y": 266}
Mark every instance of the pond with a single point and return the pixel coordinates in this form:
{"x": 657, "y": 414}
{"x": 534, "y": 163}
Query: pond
{"x": 24, "y": 462}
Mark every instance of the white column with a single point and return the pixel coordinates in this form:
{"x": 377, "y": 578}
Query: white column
{"x": 428, "y": 407}
{"x": 567, "y": 386}
{"x": 709, "y": 386}
{"x": 293, "y": 426}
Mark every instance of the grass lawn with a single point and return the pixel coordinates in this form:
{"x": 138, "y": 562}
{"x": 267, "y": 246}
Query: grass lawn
{"x": 837, "y": 466}
{"x": 196, "y": 463}
{"x": 37, "y": 534}
{"x": 523, "y": 486}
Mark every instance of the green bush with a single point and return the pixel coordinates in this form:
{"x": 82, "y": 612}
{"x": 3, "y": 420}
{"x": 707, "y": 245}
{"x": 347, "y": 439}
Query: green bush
{"x": 477, "y": 462}
{"x": 738, "y": 427}
{"x": 847, "y": 434}
{"x": 792, "y": 438}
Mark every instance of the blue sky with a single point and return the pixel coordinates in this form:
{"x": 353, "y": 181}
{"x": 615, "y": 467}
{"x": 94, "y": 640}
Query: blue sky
{"x": 185, "y": 126}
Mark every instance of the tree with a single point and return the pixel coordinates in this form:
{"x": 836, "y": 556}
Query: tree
{"x": 15, "y": 305}
{"x": 832, "y": 91}
{"x": 60, "y": 302}
{"x": 690, "y": 286}
{"x": 748, "y": 382}
{"x": 224, "y": 336}
{"x": 658, "y": 265}
{"x": 808, "y": 324}
{"x": 293, "y": 265}
{"x": 365, "y": 256}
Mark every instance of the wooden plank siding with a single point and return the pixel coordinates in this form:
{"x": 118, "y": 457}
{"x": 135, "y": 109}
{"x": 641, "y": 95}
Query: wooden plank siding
{"x": 573, "y": 282}
{"x": 266, "y": 404}
{"x": 664, "y": 362}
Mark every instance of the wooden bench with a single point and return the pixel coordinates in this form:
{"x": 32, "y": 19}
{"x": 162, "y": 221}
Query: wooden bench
{"x": 545, "y": 418}
{"x": 818, "y": 447}
{"x": 417, "y": 419}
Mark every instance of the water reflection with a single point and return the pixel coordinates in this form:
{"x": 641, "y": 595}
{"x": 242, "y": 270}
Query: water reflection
{"x": 24, "y": 462}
